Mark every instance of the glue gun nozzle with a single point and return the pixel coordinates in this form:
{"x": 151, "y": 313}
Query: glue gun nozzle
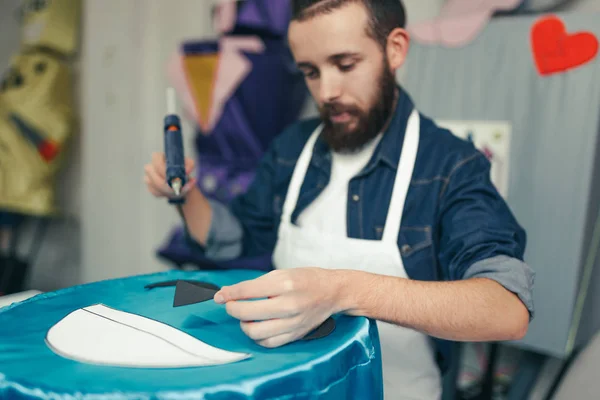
{"x": 176, "y": 185}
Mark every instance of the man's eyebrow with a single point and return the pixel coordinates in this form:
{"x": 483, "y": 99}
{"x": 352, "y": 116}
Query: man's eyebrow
{"x": 342, "y": 56}
{"x": 304, "y": 65}
{"x": 334, "y": 59}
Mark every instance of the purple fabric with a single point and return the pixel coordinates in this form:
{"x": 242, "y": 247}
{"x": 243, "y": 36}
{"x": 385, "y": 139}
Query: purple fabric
{"x": 250, "y": 15}
{"x": 269, "y": 99}
{"x": 271, "y": 17}
{"x": 179, "y": 252}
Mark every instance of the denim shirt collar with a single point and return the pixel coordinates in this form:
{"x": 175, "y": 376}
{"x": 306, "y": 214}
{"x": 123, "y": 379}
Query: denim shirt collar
{"x": 389, "y": 148}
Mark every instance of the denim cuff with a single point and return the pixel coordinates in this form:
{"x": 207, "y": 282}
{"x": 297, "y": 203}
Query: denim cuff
{"x": 224, "y": 239}
{"x": 515, "y": 275}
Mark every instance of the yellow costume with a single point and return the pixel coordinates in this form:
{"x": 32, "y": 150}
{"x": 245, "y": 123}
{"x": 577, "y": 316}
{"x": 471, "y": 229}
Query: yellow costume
{"x": 51, "y": 24}
{"x": 36, "y": 107}
{"x": 36, "y": 121}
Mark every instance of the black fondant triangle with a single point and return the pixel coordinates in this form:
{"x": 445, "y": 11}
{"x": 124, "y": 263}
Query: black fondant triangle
{"x": 187, "y": 293}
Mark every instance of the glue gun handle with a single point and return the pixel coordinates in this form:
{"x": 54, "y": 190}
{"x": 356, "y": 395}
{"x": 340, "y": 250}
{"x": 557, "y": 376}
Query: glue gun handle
{"x": 174, "y": 155}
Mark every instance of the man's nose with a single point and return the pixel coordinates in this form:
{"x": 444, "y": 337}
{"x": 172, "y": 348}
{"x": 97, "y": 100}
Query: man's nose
{"x": 330, "y": 88}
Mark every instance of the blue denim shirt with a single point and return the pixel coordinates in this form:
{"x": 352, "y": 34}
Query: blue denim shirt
{"x": 455, "y": 224}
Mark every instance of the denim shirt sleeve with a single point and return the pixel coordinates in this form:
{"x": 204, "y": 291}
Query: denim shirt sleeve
{"x": 245, "y": 227}
{"x": 479, "y": 236}
{"x": 224, "y": 239}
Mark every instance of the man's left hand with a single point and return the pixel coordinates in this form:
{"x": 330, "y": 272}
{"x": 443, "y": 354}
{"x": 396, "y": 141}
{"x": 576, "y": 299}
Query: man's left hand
{"x": 292, "y": 303}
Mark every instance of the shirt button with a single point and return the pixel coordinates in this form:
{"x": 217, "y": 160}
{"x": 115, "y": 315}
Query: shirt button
{"x": 356, "y": 197}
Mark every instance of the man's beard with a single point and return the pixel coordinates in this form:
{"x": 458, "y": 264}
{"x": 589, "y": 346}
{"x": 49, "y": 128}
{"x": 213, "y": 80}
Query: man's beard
{"x": 368, "y": 124}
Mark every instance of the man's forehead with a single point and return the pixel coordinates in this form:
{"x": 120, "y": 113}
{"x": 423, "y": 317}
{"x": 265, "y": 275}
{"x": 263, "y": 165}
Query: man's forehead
{"x": 342, "y": 30}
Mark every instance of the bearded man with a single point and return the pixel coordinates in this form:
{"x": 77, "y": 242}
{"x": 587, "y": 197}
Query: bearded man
{"x": 369, "y": 210}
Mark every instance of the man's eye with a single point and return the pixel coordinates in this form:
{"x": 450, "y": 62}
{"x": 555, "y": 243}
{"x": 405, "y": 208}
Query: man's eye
{"x": 346, "y": 67}
{"x": 311, "y": 74}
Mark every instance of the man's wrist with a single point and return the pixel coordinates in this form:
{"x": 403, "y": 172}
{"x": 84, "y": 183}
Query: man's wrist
{"x": 366, "y": 294}
{"x": 197, "y": 216}
{"x": 193, "y": 198}
{"x": 347, "y": 291}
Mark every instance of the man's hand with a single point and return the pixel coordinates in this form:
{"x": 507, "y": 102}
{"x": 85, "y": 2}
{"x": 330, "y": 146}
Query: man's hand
{"x": 197, "y": 211}
{"x": 156, "y": 177}
{"x": 293, "y": 303}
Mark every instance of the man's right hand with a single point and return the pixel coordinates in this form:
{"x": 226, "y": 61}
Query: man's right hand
{"x": 156, "y": 181}
{"x": 197, "y": 212}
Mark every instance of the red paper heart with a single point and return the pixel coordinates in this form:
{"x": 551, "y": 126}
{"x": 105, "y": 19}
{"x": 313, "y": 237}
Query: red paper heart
{"x": 556, "y": 51}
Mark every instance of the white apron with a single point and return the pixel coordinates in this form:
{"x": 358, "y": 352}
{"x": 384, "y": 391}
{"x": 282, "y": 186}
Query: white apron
{"x": 409, "y": 367}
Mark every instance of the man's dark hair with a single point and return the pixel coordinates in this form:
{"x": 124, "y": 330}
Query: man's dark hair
{"x": 384, "y": 15}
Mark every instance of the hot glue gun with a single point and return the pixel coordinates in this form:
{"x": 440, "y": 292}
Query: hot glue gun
{"x": 174, "y": 155}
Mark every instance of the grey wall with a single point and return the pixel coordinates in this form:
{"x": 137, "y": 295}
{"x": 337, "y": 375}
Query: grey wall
{"x": 590, "y": 285}
{"x": 553, "y": 154}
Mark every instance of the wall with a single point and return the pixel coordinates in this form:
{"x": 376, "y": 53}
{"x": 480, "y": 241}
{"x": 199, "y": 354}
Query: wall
{"x": 124, "y": 103}
{"x": 422, "y": 10}
{"x": 582, "y": 5}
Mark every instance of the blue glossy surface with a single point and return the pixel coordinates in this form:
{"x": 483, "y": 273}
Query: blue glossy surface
{"x": 342, "y": 365}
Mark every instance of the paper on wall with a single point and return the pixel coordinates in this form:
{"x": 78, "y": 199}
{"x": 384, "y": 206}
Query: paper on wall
{"x": 101, "y": 335}
{"x": 493, "y": 139}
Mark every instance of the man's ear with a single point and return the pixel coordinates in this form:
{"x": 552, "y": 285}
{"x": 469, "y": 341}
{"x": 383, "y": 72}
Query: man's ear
{"x": 397, "y": 47}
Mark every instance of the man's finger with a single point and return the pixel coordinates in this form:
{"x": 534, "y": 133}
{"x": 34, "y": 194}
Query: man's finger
{"x": 189, "y": 186}
{"x": 189, "y": 165}
{"x": 278, "y": 341}
{"x": 258, "y": 331}
{"x": 260, "y": 310}
{"x": 158, "y": 182}
{"x": 159, "y": 162}
{"x": 262, "y": 287}
{"x": 151, "y": 187}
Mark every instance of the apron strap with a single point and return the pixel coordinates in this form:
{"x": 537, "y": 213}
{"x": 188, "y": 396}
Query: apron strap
{"x": 291, "y": 199}
{"x": 408, "y": 156}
